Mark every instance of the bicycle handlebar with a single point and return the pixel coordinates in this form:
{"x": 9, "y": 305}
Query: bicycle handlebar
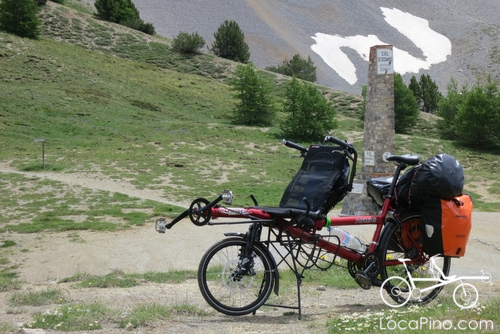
{"x": 337, "y": 141}
{"x": 293, "y": 145}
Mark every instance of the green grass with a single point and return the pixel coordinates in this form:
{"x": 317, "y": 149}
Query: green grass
{"x": 37, "y": 298}
{"x": 52, "y": 205}
{"x": 72, "y": 317}
{"x": 119, "y": 279}
{"x": 7, "y": 243}
{"x": 7, "y": 328}
{"x": 143, "y": 314}
{"x": 84, "y": 317}
{"x": 8, "y": 280}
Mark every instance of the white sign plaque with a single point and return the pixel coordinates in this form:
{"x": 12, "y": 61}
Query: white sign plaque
{"x": 385, "y": 61}
{"x": 357, "y": 188}
{"x": 369, "y": 158}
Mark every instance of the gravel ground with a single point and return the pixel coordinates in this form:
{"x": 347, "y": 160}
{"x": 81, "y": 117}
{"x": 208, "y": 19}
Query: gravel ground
{"x": 142, "y": 249}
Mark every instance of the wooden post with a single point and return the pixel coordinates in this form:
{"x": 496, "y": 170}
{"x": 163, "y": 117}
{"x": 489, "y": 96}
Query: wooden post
{"x": 43, "y": 150}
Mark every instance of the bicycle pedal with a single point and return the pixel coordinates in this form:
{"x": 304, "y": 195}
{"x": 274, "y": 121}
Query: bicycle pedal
{"x": 363, "y": 280}
{"x": 160, "y": 225}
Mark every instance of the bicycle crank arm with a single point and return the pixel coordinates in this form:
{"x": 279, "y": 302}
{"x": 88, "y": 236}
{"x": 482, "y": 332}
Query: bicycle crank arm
{"x": 161, "y": 224}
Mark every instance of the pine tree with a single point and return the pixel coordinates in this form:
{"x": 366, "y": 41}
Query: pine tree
{"x": 297, "y": 66}
{"x": 405, "y": 106}
{"x": 430, "y": 94}
{"x": 310, "y": 115}
{"x": 417, "y": 91}
{"x": 116, "y": 10}
{"x": 230, "y": 42}
{"x": 20, "y": 17}
{"x": 256, "y": 103}
{"x": 448, "y": 109}
{"x": 478, "y": 117}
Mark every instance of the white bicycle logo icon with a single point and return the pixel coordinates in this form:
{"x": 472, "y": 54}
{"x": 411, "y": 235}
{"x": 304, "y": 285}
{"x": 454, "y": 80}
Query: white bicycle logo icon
{"x": 465, "y": 295}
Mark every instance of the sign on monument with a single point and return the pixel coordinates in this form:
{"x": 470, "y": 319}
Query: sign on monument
{"x": 385, "y": 61}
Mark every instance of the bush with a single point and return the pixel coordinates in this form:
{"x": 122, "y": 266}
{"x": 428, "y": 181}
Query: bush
{"x": 256, "y": 103}
{"x": 20, "y": 17}
{"x": 138, "y": 24}
{"x": 117, "y": 11}
{"x": 311, "y": 116}
{"x": 230, "y": 42}
{"x": 297, "y": 66}
{"x": 188, "y": 43}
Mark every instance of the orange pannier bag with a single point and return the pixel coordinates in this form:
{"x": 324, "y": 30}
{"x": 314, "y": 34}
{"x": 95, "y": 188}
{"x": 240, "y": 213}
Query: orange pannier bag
{"x": 447, "y": 225}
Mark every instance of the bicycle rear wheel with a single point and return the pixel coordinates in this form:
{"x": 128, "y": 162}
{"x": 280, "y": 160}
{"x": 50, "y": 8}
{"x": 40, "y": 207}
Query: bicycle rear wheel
{"x": 231, "y": 286}
{"x": 406, "y": 243}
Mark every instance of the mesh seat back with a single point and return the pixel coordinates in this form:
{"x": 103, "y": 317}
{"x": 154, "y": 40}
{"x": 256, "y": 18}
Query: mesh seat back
{"x": 323, "y": 180}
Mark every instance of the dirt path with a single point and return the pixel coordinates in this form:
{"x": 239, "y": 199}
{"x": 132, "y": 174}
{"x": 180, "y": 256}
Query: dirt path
{"x": 52, "y": 256}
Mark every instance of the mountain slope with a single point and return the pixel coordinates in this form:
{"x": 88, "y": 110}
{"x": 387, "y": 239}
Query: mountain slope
{"x": 276, "y": 30}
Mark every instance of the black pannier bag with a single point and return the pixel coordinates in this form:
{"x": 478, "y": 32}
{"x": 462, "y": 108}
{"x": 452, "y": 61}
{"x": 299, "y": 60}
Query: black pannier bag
{"x": 378, "y": 187}
{"x": 323, "y": 180}
{"x": 438, "y": 177}
{"x": 402, "y": 192}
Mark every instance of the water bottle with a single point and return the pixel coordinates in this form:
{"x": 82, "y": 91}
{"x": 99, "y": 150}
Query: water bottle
{"x": 347, "y": 240}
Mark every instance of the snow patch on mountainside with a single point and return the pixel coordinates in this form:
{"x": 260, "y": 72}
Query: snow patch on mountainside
{"x": 435, "y": 47}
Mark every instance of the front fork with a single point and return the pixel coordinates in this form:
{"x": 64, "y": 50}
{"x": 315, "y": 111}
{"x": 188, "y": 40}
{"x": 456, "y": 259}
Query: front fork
{"x": 246, "y": 261}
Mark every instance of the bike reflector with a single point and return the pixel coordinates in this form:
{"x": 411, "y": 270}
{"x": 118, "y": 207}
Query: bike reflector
{"x": 447, "y": 225}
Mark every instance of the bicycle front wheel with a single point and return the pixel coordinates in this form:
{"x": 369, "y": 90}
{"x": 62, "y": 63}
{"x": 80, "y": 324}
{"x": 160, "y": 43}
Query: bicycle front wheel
{"x": 406, "y": 243}
{"x": 231, "y": 284}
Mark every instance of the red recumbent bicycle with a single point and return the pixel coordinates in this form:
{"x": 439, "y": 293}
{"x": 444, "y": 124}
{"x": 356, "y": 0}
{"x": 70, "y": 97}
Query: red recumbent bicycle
{"x": 237, "y": 275}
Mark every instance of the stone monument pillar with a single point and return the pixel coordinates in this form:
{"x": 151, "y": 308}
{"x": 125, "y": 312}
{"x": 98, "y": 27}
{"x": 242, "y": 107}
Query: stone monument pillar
{"x": 379, "y": 135}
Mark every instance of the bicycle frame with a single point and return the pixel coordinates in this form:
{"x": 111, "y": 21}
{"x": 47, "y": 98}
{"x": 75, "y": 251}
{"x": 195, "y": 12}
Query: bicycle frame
{"x": 259, "y": 216}
{"x": 262, "y": 217}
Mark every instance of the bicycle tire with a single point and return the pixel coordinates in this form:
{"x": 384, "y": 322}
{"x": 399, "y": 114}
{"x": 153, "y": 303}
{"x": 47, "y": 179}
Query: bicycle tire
{"x": 393, "y": 248}
{"x": 228, "y": 292}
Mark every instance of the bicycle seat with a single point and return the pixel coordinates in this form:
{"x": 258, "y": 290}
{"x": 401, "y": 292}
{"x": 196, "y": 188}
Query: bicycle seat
{"x": 409, "y": 159}
{"x": 321, "y": 182}
{"x": 287, "y": 212}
